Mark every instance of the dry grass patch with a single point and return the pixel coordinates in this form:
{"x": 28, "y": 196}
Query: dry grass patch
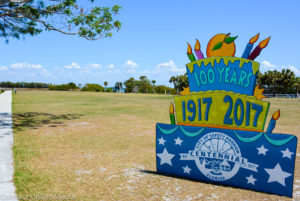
{"x": 108, "y": 151}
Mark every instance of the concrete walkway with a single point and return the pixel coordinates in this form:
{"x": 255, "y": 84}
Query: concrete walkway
{"x": 7, "y": 188}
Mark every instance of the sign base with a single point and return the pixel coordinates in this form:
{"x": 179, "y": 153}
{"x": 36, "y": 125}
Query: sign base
{"x": 245, "y": 159}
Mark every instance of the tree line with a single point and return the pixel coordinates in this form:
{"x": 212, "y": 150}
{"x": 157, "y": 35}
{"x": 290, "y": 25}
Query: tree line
{"x": 279, "y": 82}
{"x": 274, "y": 82}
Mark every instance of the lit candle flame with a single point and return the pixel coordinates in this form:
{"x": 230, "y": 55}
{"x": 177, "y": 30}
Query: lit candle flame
{"x": 254, "y": 39}
{"x": 189, "y": 50}
{"x": 197, "y": 45}
{"x": 264, "y": 43}
{"x": 171, "y": 108}
{"x": 276, "y": 115}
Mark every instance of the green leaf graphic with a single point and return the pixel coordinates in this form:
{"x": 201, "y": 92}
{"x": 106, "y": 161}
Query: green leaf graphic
{"x": 230, "y": 39}
{"x": 218, "y": 46}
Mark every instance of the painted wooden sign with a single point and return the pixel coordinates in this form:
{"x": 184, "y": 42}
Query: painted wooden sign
{"x": 217, "y": 131}
{"x": 251, "y": 160}
{"x": 216, "y": 74}
{"x": 221, "y": 109}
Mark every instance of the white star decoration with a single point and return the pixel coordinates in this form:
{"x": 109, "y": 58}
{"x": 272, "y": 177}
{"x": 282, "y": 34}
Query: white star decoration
{"x": 178, "y": 141}
{"x": 165, "y": 157}
{"x": 251, "y": 180}
{"x": 286, "y": 153}
{"x": 161, "y": 141}
{"x": 186, "y": 169}
{"x": 277, "y": 175}
{"x": 262, "y": 150}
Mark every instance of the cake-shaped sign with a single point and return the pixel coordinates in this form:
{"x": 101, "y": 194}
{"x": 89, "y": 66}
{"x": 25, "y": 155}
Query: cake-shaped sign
{"x": 217, "y": 126}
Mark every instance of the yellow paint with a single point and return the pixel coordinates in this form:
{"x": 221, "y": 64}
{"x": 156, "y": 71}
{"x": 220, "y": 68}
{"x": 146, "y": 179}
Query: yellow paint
{"x": 258, "y": 93}
{"x": 220, "y": 108}
{"x": 216, "y": 60}
{"x": 225, "y": 50}
{"x": 171, "y": 109}
{"x": 185, "y": 92}
{"x": 264, "y": 43}
{"x": 254, "y": 39}
{"x": 276, "y": 115}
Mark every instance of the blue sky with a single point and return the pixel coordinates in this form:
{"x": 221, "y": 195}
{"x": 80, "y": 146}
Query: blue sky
{"x": 153, "y": 42}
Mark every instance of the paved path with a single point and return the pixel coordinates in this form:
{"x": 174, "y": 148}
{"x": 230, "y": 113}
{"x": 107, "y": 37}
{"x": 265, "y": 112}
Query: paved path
{"x": 7, "y": 188}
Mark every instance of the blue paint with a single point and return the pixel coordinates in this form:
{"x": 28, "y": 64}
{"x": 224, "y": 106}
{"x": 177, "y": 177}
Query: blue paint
{"x": 258, "y": 109}
{"x": 238, "y": 104}
{"x": 227, "y": 119}
{"x": 204, "y": 159}
{"x": 248, "y": 113}
{"x": 199, "y": 110}
{"x": 183, "y": 110}
{"x": 247, "y": 51}
{"x": 208, "y": 102}
{"x": 222, "y": 77}
{"x": 192, "y": 109}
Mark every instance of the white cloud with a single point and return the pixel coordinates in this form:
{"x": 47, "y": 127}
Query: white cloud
{"x": 130, "y": 64}
{"x": 3, "y": 68}
{"x": 267, "y": 64}
{"x": 74, "y": 65}
{"x": 26, "y": 65}
{"x": 169, "y": 67}
{"x": 111, "y": 66}
{"x": 96, "y": 66}
{"x": 294, "y": 69}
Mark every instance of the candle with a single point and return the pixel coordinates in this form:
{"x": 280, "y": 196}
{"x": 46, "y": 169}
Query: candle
{"x": 198, "y": 52}
{"x": 258, "y": 49}
{"x": 190, "y": 53}
{"x": 172, "y": 116}
{"x": 249, "y": 46}
{"x": 272, "y": 123}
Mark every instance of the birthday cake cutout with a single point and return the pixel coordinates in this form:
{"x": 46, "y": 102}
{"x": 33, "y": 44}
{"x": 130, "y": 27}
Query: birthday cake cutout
{"x": 218, "y": 122}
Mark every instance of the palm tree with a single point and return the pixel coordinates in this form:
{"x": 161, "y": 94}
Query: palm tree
{"x": 288, "y": 79}
{"x": 173, "y": 79}
{"x": 297, "y": 84}
{"x": 105, "y": 84}
{"x": 153, "y": 82}
{"x": 143, "y": 79}
{"x": 118, "y": 86}
{"x": 130, "y": 84}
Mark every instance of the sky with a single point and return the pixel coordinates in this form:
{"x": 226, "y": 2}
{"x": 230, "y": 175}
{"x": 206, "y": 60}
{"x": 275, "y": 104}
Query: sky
{"x": 153, "y": 42}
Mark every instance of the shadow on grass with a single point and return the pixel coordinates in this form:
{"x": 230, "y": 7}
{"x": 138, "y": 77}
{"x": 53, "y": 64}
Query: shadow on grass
{"x": 188, "y": 179}
{"x": 35, "y": 120}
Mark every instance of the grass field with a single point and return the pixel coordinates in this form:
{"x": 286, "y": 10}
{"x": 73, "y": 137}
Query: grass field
{"x": 100, "y": 146}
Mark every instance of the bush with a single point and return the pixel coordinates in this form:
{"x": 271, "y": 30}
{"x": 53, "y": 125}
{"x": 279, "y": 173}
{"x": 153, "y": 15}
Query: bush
{"x": 162, "y": 89}
{"x": 108, "y": 89}
{"x": 93, "y": 87}
{"x": 63, "y": 87}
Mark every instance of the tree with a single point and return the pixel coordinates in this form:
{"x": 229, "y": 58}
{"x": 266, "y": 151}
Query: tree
{"x": 153, "y": 83}
{"x": 130, "y": 84}
{"x": 105, "y": 84}
{"x": 92, "y": 87}
{"x": 174, "y": 81}
{"x": 179, "y": 82}
{"x": 287, "y": 79}
{"x": 145, "y": 85}
{"x": 297, "y": 84}
{"x": 29, "y": 17}
{"x": 118, "y": 86}
{"x": 278, "y": 82}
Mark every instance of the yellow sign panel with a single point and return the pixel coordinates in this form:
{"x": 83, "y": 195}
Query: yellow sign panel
{"x": 221, "y": 109}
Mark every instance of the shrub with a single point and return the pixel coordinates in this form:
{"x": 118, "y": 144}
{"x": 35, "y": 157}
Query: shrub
{"x": 93, "y": 87}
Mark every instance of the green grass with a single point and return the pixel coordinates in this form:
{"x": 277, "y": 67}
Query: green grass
{"x": 94, "y": 146}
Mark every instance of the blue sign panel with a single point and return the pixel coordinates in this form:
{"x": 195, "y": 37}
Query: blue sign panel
{"x": 215, "y": 74}
{"x": 251, "y": 160}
